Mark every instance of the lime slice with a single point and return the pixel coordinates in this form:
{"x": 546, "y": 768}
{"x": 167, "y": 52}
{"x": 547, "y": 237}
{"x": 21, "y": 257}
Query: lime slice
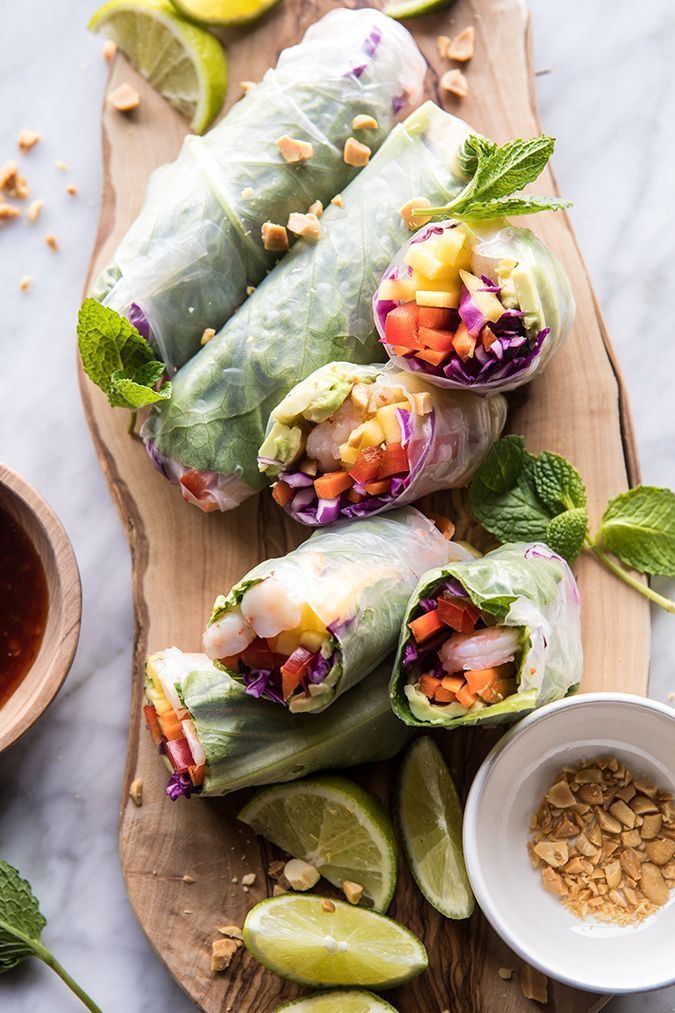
{"x": 431, "y": 826}
{"x": 184, "y": 63}
{"x": 296, "y": 937}
{"x": 224, "y": 12}
{"x": 335, "y": 826}
{"x": 352, "y": 1000}
{"x": 415, "y": 8}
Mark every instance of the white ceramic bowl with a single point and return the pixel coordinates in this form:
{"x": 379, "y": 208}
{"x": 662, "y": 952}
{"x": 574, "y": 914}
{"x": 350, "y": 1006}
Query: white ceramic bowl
{"x": 506, "y": 791}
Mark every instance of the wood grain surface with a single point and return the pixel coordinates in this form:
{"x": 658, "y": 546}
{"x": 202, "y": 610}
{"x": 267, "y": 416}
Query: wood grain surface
{"x": 182, "y": 558}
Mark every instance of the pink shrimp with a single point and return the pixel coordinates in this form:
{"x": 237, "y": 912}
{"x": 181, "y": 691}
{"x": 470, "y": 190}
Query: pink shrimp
{"x": 481, "y": 649}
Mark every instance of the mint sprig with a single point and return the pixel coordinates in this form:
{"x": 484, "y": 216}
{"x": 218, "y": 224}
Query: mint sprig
{"x": 497, "y": 173}
{"x": 118, "y": 359}
{"x": 21, "y": 925}
{"x": 518, "y": 496}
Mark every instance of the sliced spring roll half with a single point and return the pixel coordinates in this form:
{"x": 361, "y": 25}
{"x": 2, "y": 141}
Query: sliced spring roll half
{"x": 314, "y": 308}
{"x": 489, "y": 639}
{"x": 474, "y": 307}
{"x": 353, "y": 441}
{"x": 302, "y": 629}
{"x": 196, "y": 246}
{"x": 216, "y": 738}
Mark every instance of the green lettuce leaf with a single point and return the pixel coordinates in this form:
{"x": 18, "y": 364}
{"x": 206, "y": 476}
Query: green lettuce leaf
{"x": 638, "y": 526}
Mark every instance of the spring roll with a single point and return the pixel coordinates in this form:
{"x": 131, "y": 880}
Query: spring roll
{"x": 489, "y": 639}
{"x": 302, "y": 629}
{"x": 314, "y": 308}
{"x": 480, "y": 308}
{"x": 186, "y": 262}
{"x": 216, "y": 738}
{"x": 353, "y": 441}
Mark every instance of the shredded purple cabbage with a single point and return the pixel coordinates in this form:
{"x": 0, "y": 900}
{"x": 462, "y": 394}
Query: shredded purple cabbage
{"x": 179, "y": 785}
{"x": 373, "y": 41}
{"x": 427, "y": 604}
{"x": 410, "y": 653}
{"x": 399, "y": 102}
{"x": 138, "y": 319}
{"x": 319, "y": 667}
{"x": 259, "y": 682}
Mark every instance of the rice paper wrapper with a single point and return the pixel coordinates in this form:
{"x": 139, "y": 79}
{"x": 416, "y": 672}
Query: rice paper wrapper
{"x": 526, "y": 585}
{"x": 314, "y": 308}
{"x": 196, "y": 245}
{"x": 357, "y": 576}
{"x": 252, "y": 742}
{"x": 445, "y": 446}
{"x": 553, "y": 307}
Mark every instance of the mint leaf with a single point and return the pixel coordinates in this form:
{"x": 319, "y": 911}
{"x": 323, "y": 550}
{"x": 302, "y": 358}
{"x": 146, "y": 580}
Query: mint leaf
{"x": 474, "y": 152}
{"x": 21, "y": 925}
{"x": 21, "y": 922}
{"x": 117, "y": 358}
{"x": 638, "y": 526}
{"x": 503, "y": 494}
{"x": 559, "y": 485}
{"x": 510, "y": 207}
{"x": 566, "y": 532}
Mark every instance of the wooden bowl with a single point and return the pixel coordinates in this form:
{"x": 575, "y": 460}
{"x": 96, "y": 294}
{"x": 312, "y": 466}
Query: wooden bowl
{"x": 44, "y": 679}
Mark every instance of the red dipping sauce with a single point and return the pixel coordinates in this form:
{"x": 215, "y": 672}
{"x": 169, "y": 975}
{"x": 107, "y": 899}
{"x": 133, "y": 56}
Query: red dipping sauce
{"x": 23, "y": 604}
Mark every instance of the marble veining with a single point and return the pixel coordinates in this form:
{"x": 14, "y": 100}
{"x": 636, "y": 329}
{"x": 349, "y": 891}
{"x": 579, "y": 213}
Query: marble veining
{"x": 608, "y": 96}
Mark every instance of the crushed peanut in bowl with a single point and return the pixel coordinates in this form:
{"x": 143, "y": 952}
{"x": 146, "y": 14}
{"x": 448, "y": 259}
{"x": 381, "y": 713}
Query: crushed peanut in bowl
{"x": 604, "y": 841}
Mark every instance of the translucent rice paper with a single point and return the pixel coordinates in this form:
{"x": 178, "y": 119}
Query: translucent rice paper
{"x": 251, "y": 742}
{"x": 357, "y": 576}
{"x": 314, "y": 308}
{"x": 445, "y": 446}
{"x": 186, "y": 261}
{"x": 494, "y": 242}
{"x": 521, "y": 585}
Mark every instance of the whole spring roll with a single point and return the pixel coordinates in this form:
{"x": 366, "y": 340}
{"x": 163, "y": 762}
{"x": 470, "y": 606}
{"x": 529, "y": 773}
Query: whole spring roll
{"x": 353, "y": 441}
{"x": 314, "y": 308}
{"x": 196, "y": 246}
{"x": 302, "y": 629}
{"x": 488, "y": 639}
{"x": 480, "y": 307}
{"x": 216, "y": 738}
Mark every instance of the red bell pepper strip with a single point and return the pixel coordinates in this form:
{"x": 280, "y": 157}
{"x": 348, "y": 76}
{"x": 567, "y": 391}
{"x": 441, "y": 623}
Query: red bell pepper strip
{"x": 293, "y": 670}
{"x": 460, "y": 616}
{"x": 400, "y": 327}
{"x": 435, "y": 316}
{"x": 437, "y": 340}
{"x": 367, "y": 465}
{"x": 394, "y": 461}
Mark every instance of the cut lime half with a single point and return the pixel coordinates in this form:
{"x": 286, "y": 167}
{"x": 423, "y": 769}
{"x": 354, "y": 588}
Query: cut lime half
{"x": 298, "y": 938}
{"x": 343, "y": 1000}
{"x": 402, "y": 9}
{"x": 430, "y": 816}
{"x": 183, "y": 62}
{"x": 224, "y": 12}
{"x": 334, "y": 825}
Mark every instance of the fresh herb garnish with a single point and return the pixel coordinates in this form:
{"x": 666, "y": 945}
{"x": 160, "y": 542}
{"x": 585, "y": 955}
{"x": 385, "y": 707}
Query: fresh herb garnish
{"x": 21, "y": 925}
{"x": 497, "y": 173}
{"x": 118, "y": 359}
{"x": 518, "y": 496}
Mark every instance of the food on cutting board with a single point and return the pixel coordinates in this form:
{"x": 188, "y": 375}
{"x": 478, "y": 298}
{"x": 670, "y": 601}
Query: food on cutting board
{"x": 489, "y": 639}
{"x": 216, "y": 738}
{"x": 196, "y": 246}
{"x": 335, "y": 827}
{"x": 603, "y": 839}
{"x": 352, "y": 441}
{"x": 475, "y": 306}
{"x": 302, "y": 629}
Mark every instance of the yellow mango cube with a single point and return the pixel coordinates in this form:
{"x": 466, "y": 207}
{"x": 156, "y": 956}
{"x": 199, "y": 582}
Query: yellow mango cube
{"x": 423, "y": 259}
{"x": 368, "y": 434}
{"x": 312, "y": 640}
{"x": 388, "y": 420}
{"x": 310, "y": 621}
{"x": 397, "y": 289}
{"x": 288, "y": 640}
{"x": 487, "y": 302}
{"x": 348, "y": 454}
{"x": 444, "y": 300}
{"x": 449, "y": 246}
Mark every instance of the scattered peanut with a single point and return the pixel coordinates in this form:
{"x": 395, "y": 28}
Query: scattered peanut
{"x": 534, "y": 984}
{"x": 364, "y": 122}
{"x": 406, "y": 212}
{"x": 231, "y": 931}
{"x": 327, "y": 905}
{"x": 136, "y": 791}
{"x": 24, "y": 283}
{"x": 33, "y": 210}
{"x": 304, "y": 225}
{"x": 338, "y": 201}
{"x": 463, "y": 46}
{"x": 28, "y": 139}
{"x": 124, "y": 98}
{"x": 355, "y": 153}
{"x": 61, "y": 166}
{"x": 52, "y": 242}
{"x": 442, "y": 43}
{"x": 246, "y": 86}
{"x": 207, "y": 334}
{"x": 248, "y": 879}
{"x": 505, "y": 973}
{"x": 352, "y": 891}
{"x": 274, "y": 237}
{"x": 222, "y": 952}
{"x": 453, "y": 81}
{"x": 109, "y": 50}
{"x": 300, "y": 874}
{"x": 71, "y": 189}
{"x": 293, "y": 150}
{"x": 315, "y": 208}
{"x": 8, "y": 211}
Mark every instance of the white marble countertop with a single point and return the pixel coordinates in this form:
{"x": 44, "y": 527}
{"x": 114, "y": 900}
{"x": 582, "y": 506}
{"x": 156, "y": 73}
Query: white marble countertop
{"x": 609, "y": 99}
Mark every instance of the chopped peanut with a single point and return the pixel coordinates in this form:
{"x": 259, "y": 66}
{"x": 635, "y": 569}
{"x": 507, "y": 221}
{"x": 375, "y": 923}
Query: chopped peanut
{"x": 207, "y": 334}
{"x": 463, "y": 45}
{"x": 124, "y": 99}
{"x": 300, "y": 874}
{"x": 293, "y": 150}
{"x": 136, "y": 791}
{"x": 222, "y": 952}
{"x": 352, "y": 891}
{"x": 505, "y": 973}
{"x": 315, "y": 208}
{"x": 109, "y": 50}
{"x": 338, "y": 201}
{"x": 250, "y": 289}
{"x": 355, "y": 153}
{"x": 304, "y": 225}
{"x": 274, "y": 237}
{"x": 327, "y": 905}
{"x": 33, "y": 210}
{"x": 231, "y": 931}
{"x": 442, "y": 43}
{"x": 534, "y": 984}
{"x": 24, "y": 283}
{"x": 364, "y": 122}
{"x": 248, "y": 879}
{"x": 8, "y": 211}
{"x": 278, "y": 890}
{"x": 8, "y": 174}
{"x": 71, "y": 189}
{"x": 246, "y": 86}
{"x": 454, "y": 82}
{"x": 52, "y": 242}
{"x": 61, "y": 166}
{"x": 415, "y": 221}
{"x": 28, "y": 139}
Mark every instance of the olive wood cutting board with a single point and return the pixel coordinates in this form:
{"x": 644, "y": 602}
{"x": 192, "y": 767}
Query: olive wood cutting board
{"x": 182, "y": 558}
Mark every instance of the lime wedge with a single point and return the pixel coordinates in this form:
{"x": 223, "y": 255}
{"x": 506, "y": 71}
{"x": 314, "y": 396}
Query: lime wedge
{"x": 402, "y": 9}
{"x": 224, "y": 12}
{"x": 343, "y": 1000}
{"x": 184, "y": 63}
{"x": 431, "y": 826}
{"x": 334, "y": 825}
{"x": 296, "y": 937}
